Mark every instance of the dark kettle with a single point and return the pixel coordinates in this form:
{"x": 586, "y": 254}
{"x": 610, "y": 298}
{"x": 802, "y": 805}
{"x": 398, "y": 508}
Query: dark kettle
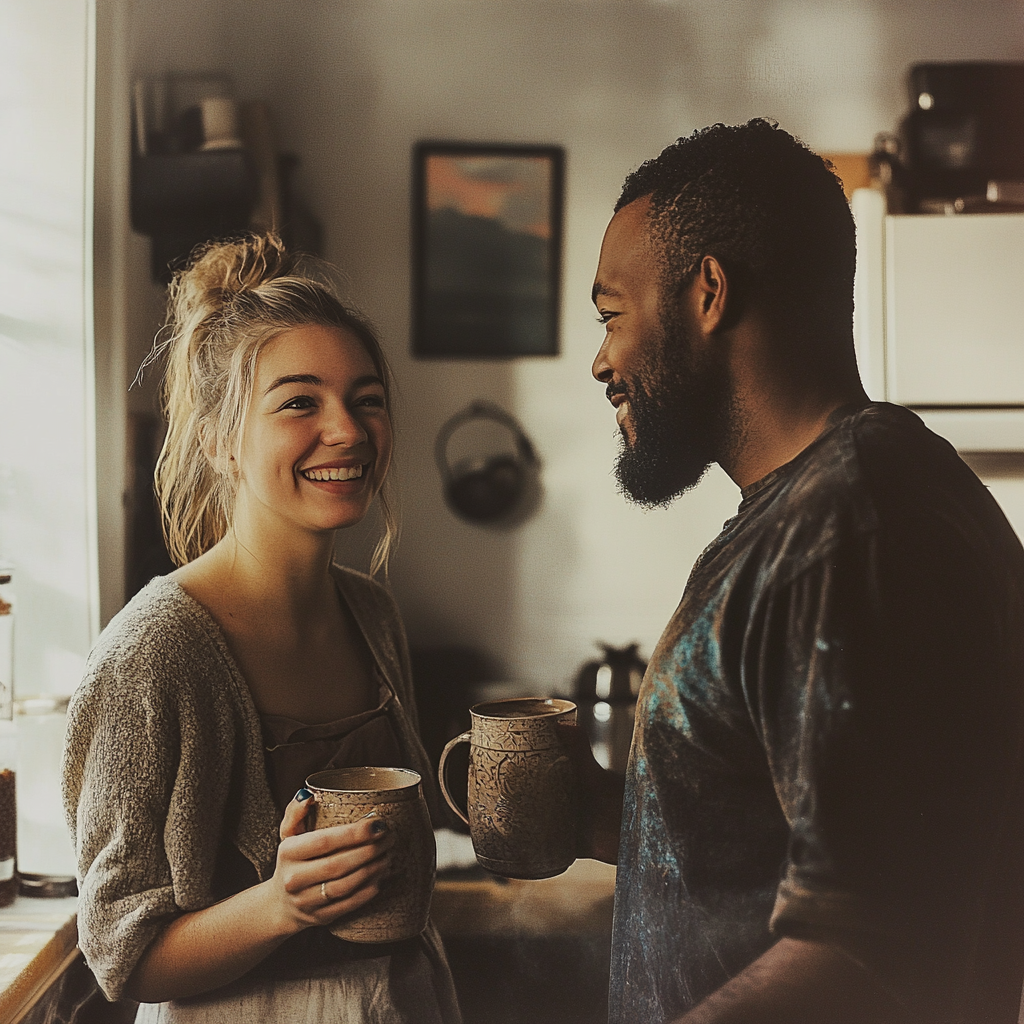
{"x": 615, "y": 678}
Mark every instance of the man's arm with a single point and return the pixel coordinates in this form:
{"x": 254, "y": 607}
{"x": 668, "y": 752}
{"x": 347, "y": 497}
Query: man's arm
{"x": 798, "y": 982}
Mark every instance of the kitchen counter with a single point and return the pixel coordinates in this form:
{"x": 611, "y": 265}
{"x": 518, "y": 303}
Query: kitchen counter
{"x": 534, "y": 951}
{"x": 38, "y": 937}
{"x": 577, "y": 902}
{"x": 38, "y": 942}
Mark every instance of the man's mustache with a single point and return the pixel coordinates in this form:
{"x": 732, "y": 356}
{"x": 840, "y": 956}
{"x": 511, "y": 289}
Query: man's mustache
{"x": 614, "y": 389}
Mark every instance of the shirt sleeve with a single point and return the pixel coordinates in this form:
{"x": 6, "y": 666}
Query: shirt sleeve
{"x": 877, "y": 680}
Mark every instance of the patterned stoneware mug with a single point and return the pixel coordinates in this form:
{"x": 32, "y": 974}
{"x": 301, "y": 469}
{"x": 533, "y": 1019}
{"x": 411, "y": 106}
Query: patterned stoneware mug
{"x": 401, "y": 908}
{"x": 521, "y": 796}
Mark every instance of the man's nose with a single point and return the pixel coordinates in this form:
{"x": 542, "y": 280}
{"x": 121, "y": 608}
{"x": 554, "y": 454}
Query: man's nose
{"x": 602, "y": 369}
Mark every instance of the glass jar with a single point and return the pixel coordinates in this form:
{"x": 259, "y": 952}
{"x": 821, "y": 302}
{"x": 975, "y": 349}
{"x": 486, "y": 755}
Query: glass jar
{"x": 8, "y": 745}
{"x": 6, "y": 643}
{"x": 8, "y": 813}
{"x": 44, "y": 846}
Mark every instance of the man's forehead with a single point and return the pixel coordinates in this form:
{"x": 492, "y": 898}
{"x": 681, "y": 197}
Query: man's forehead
{"x": 630, "y": 222}
{"x": 624, "y": 251}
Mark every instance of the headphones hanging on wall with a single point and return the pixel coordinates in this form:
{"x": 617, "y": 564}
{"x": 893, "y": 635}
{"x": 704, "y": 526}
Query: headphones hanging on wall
{"x": 493, "y": 489}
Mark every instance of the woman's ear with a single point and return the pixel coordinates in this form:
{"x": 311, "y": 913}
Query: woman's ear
{"x": 221, "y": 460}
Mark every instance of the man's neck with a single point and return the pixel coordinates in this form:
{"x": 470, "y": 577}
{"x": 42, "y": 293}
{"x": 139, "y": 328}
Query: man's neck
{"x": 768, "y": 434}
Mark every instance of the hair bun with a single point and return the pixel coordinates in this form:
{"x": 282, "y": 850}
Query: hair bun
{"x": 218, "y": 271}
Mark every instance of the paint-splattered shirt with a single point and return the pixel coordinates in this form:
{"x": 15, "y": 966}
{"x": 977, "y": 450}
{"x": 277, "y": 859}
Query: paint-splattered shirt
{"x": 829, "y": 738}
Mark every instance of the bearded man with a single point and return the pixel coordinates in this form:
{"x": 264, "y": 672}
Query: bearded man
{"x": 823, "y": 818}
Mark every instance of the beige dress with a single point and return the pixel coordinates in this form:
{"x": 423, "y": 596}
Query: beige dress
{"x": 317, "y": 976}
{"x": 174, "y": 799}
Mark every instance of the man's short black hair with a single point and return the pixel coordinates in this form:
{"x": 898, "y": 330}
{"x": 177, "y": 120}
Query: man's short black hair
{"x": 771, "y": 211}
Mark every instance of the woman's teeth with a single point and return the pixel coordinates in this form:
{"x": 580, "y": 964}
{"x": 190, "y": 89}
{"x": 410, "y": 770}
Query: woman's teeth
{"x": 349, "y": 473}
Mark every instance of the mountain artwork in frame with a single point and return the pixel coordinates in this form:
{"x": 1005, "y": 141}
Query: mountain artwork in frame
{"x": 487, "y": 241}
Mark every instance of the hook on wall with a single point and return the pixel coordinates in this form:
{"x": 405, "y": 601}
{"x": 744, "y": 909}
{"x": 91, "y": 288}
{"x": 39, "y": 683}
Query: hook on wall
{"x": 499, "y": 490}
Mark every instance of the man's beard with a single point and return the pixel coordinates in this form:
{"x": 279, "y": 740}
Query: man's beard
{"x": 678, "y": 410}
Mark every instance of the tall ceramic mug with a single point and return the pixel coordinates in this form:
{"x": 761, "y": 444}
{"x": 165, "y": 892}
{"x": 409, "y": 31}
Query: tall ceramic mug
{"x": 401, "y": 908}
{"x": 521, "y": 797}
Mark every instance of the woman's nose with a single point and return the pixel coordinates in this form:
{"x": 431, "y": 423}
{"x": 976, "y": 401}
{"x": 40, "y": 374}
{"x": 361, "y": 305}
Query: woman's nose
{"x": 342, "y": 427}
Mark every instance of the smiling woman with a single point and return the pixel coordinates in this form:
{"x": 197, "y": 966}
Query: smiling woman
{"x": 317, "y": 442}
{"x": 235, "y": 300}
{"x": 220, "y": 688}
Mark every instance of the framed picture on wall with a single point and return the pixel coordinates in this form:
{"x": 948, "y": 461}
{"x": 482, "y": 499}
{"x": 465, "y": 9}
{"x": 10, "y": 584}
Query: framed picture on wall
{"x": 487, "y": 250}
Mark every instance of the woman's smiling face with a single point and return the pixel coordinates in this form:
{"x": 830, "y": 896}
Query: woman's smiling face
{"x": 316, "y": 443}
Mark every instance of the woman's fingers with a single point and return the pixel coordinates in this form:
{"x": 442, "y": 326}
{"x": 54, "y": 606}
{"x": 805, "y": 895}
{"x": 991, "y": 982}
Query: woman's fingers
{"x": 300, "y": 873}
{"x": 325, "y": 873}
{"x": 304, "y": 845}
{"x": 336, "y": 897}
{"x": 294, "y": 821}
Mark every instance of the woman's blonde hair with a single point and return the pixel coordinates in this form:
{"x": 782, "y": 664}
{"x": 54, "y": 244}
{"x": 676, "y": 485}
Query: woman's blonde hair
{"x": 230, "y": 300}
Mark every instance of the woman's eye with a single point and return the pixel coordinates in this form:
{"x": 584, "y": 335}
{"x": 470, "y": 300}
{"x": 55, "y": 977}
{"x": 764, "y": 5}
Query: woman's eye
{"x": 371, "y": 401}
{"x": 299, "y": 402}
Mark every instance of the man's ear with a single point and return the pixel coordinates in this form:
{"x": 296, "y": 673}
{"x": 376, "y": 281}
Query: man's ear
{"x": 716, "y": 296}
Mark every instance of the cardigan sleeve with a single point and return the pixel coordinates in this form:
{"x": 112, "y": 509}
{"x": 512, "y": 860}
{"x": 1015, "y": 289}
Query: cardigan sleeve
{"x": 146, "y": 778}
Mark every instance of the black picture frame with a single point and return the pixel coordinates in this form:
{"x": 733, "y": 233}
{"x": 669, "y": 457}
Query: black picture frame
{"x": 487, "y": 250}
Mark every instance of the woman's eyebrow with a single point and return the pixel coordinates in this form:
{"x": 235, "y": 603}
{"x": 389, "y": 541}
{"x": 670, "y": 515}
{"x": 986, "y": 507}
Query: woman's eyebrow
{"x": 295, "y": 378}
{"x": 315, "y": 381}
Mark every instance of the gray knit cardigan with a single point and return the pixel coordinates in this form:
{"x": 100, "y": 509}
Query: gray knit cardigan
{"x": 164, "y": 759}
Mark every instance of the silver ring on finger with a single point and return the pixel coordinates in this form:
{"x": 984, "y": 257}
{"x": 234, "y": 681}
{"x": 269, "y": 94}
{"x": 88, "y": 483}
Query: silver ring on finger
{"x": 323, "y": 892}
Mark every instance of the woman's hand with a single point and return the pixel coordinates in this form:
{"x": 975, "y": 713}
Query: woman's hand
{"x": 322, "y": 875}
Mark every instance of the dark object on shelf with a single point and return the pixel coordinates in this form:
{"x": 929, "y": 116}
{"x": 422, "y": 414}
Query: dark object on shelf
{"x": 182, "y": 200}
{"x": 47, "y": 886}
{"x": 300, "y": 229}
{"x": 491, "y": 490}
{"x": 964, "y": 130}
{"x": 605, "y": 695}
{"x": 487, "y": 242}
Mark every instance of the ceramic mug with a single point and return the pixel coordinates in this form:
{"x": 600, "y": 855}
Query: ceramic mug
{"x": 521, "y": 796}
{"x": 401, "y": 908}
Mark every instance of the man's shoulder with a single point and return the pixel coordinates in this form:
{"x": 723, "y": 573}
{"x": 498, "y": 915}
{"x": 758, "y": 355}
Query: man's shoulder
{"x": 874, "y": 455}
{"x": 877, "y": 470}
{"x": 885, "y": 462}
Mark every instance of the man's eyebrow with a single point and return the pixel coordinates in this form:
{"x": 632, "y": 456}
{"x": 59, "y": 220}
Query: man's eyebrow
{"x": 603, "y": 289}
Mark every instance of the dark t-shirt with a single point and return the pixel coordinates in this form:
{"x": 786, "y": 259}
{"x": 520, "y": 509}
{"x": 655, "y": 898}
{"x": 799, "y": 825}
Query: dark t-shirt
{"x": 830, "y": 738}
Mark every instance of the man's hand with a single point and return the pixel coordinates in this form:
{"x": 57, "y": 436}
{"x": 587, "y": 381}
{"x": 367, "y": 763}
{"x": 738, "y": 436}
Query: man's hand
{"x": 600, "y": 799}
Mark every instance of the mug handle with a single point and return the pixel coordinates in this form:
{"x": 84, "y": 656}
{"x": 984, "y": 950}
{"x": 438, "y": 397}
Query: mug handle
{"x": 442, "y": 774}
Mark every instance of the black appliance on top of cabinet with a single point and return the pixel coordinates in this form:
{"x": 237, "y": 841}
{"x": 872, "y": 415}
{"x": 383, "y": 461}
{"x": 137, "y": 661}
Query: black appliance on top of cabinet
{"x": 963, "y": 137}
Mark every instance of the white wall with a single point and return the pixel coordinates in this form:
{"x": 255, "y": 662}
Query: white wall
{"x": 47, "y": 504}
{"x": 354, "y": 83}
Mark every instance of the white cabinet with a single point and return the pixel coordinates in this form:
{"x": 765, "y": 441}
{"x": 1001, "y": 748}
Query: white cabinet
{"x": 940, "y": 319}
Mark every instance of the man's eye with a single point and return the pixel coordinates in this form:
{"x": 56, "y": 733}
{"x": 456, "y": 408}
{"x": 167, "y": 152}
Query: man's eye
{"x": 604, "y": 317}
